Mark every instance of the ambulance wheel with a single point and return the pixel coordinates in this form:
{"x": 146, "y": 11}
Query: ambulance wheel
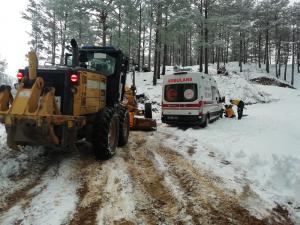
{"x": 105, "y": 133}
{"x": 124, "y": 126}
{"x": 148, "y": 110}
{"x": 206, "y": 121}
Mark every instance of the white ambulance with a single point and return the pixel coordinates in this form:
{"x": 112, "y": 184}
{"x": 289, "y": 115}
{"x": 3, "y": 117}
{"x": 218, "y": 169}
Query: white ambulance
{"x": 190, "y": 98}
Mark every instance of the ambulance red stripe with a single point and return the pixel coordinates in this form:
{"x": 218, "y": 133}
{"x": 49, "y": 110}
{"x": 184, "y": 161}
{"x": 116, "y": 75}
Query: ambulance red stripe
{"x": 183, "y": 106}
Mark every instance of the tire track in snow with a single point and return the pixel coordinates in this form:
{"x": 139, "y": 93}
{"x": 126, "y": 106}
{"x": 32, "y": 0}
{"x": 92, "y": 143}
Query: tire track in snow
{"x": 120, "y": 201}
{"x": 94, "y": 178}
{"x": 156, "y": 202}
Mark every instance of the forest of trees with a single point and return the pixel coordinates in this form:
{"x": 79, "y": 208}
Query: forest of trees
{"x": 173, "y": 32}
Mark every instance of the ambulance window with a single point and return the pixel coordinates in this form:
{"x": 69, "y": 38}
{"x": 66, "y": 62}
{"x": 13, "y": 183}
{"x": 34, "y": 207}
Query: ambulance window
{"x": 171, "y": 94}
{"x": 181, "y": 92}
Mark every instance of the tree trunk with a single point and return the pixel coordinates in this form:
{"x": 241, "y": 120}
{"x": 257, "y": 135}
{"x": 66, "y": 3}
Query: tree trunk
{"x": 159, "y": 58}
{"x": 165, "y": 58}
{"x": 156, "y": 74}
{"x": 206, "y": 37}
{"x": 267, "y": 52}
{"x": 103, "y": 19}
{"x": 129, "y": 37}
{"x": 53, "y": 44}
{"x": 286, "y": 60}
{"x": 140, "y": 38}
{"x": 259, "y": 50}
{"x": 63, "y": 41}
{"x": 241, "y": 53}
{"x": 165, "y": 51}
{"x": 150, "y": 38}
{"x": 213, "y": 54}
{"x": 278, "y": 58}
{"x": 190, "y": 51}
{"x": 218, "y": 57}
{"x": 143, "y": 50}
{"x": 298, "y": 56}
{"x": 245, "y": 50}
{"x": 277, "y": 45}
{"x": 227, "y": 49}
{"x": 173, "y": 50}
{"x": 184, "y": 50}
{"x": 293, "y": 58}
{"x": 119, "y": 25}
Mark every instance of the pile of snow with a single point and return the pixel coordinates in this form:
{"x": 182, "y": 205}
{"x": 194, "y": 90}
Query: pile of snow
{"x": 252, "y": 71}
{"x": 234, "y": 86}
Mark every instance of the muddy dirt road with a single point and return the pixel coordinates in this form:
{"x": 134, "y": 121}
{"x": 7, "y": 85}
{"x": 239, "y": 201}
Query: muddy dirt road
{"x": 145, "y": 183}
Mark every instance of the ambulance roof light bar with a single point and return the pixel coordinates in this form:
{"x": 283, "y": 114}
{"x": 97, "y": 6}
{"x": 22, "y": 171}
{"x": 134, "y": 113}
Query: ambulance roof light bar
{"x": 179, "y": 73}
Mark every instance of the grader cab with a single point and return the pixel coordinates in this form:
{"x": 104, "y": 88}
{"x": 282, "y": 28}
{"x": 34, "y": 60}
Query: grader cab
{"x": 56, "y": 106}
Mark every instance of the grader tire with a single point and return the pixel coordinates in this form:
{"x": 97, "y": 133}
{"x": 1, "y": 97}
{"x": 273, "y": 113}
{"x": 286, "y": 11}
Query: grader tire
{"x": 124, "y": 126}
{"x": 105, "y": 133}
{"x": 10, "y": 131}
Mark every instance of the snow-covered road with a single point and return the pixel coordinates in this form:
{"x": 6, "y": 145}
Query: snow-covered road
{"x": 147, "y": 182}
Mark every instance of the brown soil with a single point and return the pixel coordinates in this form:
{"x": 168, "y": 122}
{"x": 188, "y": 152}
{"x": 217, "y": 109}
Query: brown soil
{"x": 270, "y": 81}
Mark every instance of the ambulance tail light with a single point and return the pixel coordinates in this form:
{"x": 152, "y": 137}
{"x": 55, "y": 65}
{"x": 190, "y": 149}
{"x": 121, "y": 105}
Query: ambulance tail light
{"x": 201, "y": 104}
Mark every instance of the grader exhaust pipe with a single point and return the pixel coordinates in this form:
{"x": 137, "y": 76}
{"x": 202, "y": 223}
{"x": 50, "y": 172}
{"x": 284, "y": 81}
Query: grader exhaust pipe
{"x": 75, "y": 53}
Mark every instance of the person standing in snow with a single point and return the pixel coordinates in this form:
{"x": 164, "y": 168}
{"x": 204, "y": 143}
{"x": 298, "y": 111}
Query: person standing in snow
{"x": 240, "y": 107}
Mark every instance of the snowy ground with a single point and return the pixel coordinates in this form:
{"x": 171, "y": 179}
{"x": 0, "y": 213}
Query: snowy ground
{"x": 232, "y": 172}
{"x": 262, "y": 149}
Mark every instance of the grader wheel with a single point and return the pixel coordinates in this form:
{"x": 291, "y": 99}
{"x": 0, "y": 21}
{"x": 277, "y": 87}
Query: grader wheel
{"x": 105, "y": 133}
{"x": 10, "y": 131}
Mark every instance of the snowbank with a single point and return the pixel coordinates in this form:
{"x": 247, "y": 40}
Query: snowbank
{"x": 235, "y": 86}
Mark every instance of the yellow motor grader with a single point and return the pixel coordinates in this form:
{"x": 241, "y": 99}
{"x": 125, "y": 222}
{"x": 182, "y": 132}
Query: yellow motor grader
{"x": 56, "y": 106}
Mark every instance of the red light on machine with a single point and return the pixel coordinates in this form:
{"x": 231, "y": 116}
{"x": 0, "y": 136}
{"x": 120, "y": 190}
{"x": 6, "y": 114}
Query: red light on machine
{"x": 20, "y": 76}
{"x": 74, "y": 78}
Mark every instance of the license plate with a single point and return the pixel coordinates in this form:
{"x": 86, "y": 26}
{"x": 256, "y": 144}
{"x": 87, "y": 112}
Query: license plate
{"x": 173, "y": 117}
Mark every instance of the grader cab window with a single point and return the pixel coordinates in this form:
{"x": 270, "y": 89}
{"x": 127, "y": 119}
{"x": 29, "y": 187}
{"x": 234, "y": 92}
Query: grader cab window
{"x": 101, "y": 62}
{"x": 96, "y": 61}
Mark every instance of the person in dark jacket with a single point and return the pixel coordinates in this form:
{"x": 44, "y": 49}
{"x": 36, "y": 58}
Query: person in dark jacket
{"x": 240, "y": 107}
